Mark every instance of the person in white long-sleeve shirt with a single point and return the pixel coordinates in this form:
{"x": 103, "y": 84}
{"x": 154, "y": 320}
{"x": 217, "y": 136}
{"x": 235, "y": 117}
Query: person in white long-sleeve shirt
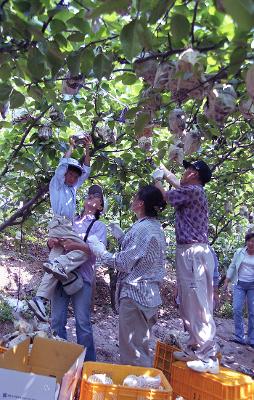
{"x": 68, "y": 177}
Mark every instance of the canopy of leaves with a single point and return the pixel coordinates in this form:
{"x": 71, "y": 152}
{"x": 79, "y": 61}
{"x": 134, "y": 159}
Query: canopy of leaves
{"x": 44, "y": 43}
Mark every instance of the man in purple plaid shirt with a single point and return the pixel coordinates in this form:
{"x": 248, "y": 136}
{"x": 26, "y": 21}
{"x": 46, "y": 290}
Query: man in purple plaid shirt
{"x": 194, "y": 263}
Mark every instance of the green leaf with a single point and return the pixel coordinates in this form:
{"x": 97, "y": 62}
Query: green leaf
{"x": 36, "y": 58}
{"x": 76, "y": 120}
{"x": 5, "y": 91}
{"x": 102, "y": 66}
{"x": 242, "y": 11}
{"x": 17, "y": 99}
{"x": 73, "y": 62}
{"x": 141, "y": 122}
{"x": 57, "y": 26}
{"x": 180, "y": 27}
{"x": 80, "y": 23}
{"x": 5, "y": 71}
{"x": 237, "y": 58}
{"x": 159, "y": 10}
{"x": 131, "y": 113}
{"x": 128, "y": 78}
{"x": 54, "y": 57}
{"x": 76, "y": 37}
{"x": 109, "y": 6}
{"x": 131, "y": 39}
{"x": 86, "y": 60}
{"x": 35, "y": 92}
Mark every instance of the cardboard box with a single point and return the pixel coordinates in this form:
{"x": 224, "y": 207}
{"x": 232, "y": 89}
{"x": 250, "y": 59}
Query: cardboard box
{"x": 34, "y": 375}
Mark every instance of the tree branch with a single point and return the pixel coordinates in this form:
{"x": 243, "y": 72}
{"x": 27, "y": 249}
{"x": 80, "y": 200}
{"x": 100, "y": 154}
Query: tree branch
{"x": 18, "y": 214}
{"x": 27, "y": 131}
{"x": 193, "y": 21}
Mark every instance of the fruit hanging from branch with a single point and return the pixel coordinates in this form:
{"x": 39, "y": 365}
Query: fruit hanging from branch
{"x": 146, "y": 69}
{"x": 177, "y": 122}
{"x": 246, "y": 107}
{"x": 45, "y": 132}
{"x": 192, "y": 141}
{"x": 221, "y": 103}
{"x": 21, "y": 116}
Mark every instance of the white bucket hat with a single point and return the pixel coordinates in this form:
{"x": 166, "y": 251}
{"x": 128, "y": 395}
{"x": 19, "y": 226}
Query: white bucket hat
{"x": 74, "y": 163}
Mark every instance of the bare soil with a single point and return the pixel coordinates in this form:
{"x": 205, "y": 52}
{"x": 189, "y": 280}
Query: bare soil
{"x": 21, "y": 272}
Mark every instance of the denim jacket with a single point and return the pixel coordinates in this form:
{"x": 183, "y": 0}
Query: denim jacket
{"x": 233, "y": 269}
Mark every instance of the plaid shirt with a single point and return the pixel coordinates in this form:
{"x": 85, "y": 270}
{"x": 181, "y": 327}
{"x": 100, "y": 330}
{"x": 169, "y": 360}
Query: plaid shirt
{"x": 191, "y": 218}
{"x": 140, "y": 262}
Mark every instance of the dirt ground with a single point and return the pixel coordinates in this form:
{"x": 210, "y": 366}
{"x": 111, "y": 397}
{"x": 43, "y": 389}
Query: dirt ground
{"x": 20, "y": 275}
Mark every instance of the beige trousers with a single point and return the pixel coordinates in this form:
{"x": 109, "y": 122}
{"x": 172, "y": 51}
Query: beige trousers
{"x": 194, "y": 270}
{"x": 61, "y": 227}
{"x": 135, "y": 324}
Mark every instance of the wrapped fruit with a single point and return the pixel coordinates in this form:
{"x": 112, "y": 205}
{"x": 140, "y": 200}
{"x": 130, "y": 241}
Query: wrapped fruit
{"x": 4, "y": 109}
{"x": 190, "y": 61}
{"x": 176, "y": 154}
{"x": 148, "y": 131}
{"x": 106, "y": 133}
{"x": 20, "y": 116}
{"x": 45, "y": 132}
{"x": 187, "y": 85}
{"x": 238, "y": 228}
{"x": 228, "y": 206}
{"x": 146, "y": 69}
{"x": 150, "y": 100}
{"x": 100, "y": 378}
{"x": 145, "y": 143}
{"x": 80, "y": 138}
{"x": 177, "y": 121}
{"x": 163, "y": 75}
{"x": 221, "y": 102}
{"x": 223, "y": 98}
{"x": 192, "y": 141}
{"x": 72, "y": 84}
{"x": 55, "y": 115}
{"x": 244, "y": 212}
{"x": 246, "y": 107}
{"x": 250, "y": 81}
{"x": 142, "y": 381}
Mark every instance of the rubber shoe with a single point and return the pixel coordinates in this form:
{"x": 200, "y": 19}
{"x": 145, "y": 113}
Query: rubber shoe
{"x": 211, "y": 366}
{"x": 182, "y": 356}
{"x": 36, "y": 305}
{"x": 56, "y": 269}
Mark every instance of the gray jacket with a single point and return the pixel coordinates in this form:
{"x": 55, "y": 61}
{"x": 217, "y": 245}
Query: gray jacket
{"x": 233, "y": 269}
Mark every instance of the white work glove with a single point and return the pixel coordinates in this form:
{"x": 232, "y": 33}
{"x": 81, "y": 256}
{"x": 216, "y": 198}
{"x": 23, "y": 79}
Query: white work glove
{"x": 97, "y": 247}
{"x": 158, "y": 174}
{"x": 116, "y": 231}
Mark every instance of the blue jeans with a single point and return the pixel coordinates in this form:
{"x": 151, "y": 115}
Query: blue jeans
{"x": 81, "y": 302}
{"x": 242, "y": 291}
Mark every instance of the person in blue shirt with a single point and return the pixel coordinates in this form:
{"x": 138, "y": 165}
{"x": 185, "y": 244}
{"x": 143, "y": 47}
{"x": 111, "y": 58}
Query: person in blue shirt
{"x": 68, "y": 177}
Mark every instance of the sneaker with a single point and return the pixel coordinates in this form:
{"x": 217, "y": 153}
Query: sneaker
{"x": 211, "y": 366}
{"x": 37, "y": 306}
{"x": 183, "y": 356}
{"x": 56, "y": 269}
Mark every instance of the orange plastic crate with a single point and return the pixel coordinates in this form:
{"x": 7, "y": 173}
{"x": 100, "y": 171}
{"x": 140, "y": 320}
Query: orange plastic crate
{"x": 227, "y": 385}
{"x": 98, "y": 391}
{"x": 2, "y": 349}
{"x": 163, "y": 358}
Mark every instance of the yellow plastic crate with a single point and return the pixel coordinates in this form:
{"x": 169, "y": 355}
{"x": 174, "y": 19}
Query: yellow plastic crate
{"x": 163, "y": 358}
{"x": 227, "y": 385}
{"x": 98, "y": 391}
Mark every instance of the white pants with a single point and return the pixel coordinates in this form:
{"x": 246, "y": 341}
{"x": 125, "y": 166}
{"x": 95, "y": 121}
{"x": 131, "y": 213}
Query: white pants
{"x": 194, "y": 270}
{"x": 61, "y": 228}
